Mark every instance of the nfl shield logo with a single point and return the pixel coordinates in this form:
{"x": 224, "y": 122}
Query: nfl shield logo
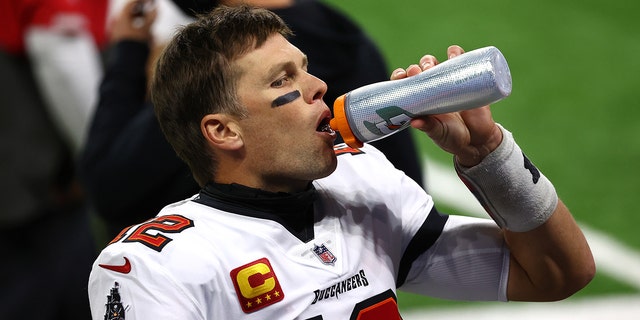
{"x": 323, "y": 253}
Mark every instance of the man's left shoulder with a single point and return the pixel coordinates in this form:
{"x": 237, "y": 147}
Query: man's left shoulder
{"x": 360, "y": 166}
{"x": 342, "y": 148}
{"x": 366, "y": 153}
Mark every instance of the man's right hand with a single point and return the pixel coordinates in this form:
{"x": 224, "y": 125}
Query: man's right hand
{"x": 134, "y": 21}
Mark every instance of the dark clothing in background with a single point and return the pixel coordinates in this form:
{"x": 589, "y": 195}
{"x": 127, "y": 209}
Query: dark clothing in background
{"x": 45, "y": 234}
{"x": 129, "y": 168}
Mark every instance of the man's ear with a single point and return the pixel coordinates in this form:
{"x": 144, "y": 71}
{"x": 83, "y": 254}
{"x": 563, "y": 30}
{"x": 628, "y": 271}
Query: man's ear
{"x": 222, "y": 131}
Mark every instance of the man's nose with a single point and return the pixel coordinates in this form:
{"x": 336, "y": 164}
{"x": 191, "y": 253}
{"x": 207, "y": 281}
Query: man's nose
{"x": 314, "y": 89}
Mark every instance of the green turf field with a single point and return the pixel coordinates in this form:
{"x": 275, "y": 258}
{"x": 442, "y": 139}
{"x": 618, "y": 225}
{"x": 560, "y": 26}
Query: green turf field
{"x": 574, "y": 107}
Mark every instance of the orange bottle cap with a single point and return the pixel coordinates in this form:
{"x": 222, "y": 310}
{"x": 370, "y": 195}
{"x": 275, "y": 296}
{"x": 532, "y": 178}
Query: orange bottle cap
{"x": 339, "y": 123}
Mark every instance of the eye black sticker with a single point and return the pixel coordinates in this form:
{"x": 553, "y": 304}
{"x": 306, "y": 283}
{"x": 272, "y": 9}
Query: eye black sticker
{"x": 286, "y": 98}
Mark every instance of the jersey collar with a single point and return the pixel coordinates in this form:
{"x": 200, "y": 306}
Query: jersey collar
{"x": 294, "y": 211}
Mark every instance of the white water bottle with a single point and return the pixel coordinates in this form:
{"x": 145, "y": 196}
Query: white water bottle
{"x": 372, "y": 112}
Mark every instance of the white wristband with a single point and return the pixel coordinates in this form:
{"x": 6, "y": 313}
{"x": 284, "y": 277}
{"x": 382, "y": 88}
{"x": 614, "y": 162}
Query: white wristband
{"x": 513, "y": 191}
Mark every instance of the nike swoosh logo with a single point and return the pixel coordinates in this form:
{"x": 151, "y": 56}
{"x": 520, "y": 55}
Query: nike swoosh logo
{"x": 125, "y": 268}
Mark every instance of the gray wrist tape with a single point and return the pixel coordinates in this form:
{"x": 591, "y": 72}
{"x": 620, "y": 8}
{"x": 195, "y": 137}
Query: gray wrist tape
{"x": 512, "y": 190}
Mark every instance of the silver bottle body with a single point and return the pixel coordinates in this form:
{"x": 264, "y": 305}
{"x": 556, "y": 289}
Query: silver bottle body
{"x": 471, "y": 80}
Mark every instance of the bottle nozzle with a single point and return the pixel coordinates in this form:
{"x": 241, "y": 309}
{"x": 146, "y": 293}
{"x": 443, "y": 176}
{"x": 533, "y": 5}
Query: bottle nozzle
{"x": 333, "y": 123}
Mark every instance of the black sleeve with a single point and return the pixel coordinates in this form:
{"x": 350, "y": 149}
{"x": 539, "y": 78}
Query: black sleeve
{"x": 129, "y": 169}
{"x": 426, "y": 236}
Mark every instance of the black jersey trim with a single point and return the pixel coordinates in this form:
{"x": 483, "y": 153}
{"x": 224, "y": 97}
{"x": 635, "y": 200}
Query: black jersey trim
{"x": 426, "y": 236}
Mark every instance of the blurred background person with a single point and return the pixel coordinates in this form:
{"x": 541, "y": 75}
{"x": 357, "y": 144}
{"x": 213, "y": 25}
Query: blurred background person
{"x": 129, "y": 168}
{"x": 51, "y": 63}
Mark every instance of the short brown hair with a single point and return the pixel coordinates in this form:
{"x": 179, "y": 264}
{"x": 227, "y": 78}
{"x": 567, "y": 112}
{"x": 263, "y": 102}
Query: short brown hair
{"x": 195, "y": 76}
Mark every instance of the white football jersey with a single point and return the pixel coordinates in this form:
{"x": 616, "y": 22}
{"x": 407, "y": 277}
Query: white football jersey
{"x": 375, "y": 230}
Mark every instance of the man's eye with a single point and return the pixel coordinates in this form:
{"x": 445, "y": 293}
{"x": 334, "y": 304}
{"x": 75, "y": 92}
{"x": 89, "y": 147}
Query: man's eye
{"x": 280, "y": 82}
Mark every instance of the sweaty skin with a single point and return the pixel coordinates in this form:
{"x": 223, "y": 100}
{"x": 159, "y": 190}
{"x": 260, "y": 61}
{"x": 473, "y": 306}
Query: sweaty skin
{"x": 286, "y": 98}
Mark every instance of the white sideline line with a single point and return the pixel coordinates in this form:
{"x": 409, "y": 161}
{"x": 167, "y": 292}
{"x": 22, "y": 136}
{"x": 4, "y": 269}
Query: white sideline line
{"x": 612, "y": 257}
{"x": 614, "y": 307}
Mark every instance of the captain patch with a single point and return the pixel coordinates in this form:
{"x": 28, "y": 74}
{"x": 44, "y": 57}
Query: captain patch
{"x": 256, "y": 285}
